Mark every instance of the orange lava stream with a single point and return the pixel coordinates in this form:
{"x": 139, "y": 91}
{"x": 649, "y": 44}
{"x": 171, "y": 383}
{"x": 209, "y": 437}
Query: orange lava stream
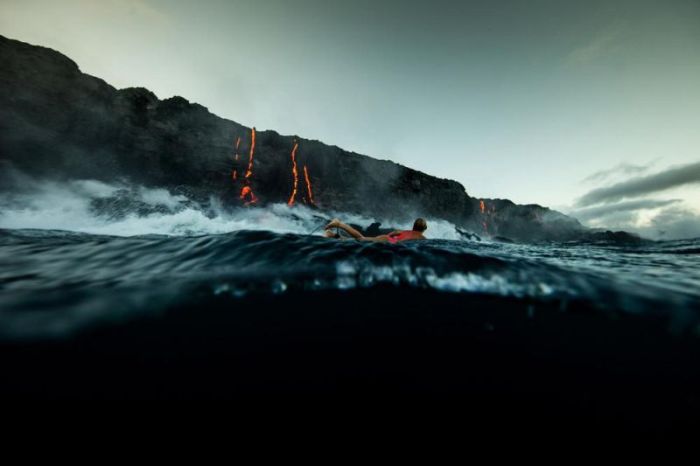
{"x": 482, "y": 206}
{"x": 234, "y": 172}
{"x": 252, "y": 153}
{"x": 308, "y": 185}
{"x": 290, "y": 202}
{"x": 247, "y": 191}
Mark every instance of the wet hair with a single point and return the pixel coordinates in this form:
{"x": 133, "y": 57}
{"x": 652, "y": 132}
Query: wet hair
{"x": 420, "y": 225}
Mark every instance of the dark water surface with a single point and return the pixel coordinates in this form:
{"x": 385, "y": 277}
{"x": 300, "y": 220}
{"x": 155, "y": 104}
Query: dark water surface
{"x": 594, "y": 331}
{"x": 52, "y": 283}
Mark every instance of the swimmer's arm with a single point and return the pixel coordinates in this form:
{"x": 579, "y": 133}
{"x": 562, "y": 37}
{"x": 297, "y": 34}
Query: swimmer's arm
{"x": 376, "y": 239}
{"x": 335, "y": 223}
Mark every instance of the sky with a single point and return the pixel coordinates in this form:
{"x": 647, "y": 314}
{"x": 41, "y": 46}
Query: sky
{"x": 542, "y": 101}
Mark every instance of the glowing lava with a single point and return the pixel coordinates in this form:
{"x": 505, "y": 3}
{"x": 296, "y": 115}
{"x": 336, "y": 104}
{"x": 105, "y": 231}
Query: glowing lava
{"x": 482, "y": 207}
{"x": 310, "y": 194}
{"x": 247, "y": 191}
{"x": 290, "y": 202}
{"x": 234, "y": 172}
{"x": 249, "y": 173}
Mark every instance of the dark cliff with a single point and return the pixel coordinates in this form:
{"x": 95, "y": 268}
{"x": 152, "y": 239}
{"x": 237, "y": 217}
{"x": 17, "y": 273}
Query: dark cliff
{"x": 58, "y": 122}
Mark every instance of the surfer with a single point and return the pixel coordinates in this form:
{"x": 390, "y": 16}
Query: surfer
{"x": 396, "y": 236}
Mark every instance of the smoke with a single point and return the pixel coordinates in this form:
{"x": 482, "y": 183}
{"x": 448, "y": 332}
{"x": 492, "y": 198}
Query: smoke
{"x": 126, "y": 210}
{"x": 636, "y": 187}
{"x": 122, "y": 209}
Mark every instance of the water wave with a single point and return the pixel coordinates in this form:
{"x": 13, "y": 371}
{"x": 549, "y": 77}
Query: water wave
{"x": 56, "y": 281}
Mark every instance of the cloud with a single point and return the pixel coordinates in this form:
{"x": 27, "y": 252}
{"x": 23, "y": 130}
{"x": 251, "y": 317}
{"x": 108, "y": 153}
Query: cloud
{"x": 130, "y": 8}
{"x": 613, "y": 210}
{"x": 641, "y": 186}
{"x": 598, "y": 46}
{"x": 673, "y": 223}
{"x": 621, "y": 169}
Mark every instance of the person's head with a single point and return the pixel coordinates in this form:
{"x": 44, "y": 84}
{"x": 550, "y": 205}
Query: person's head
{"x": 420, "y": 225}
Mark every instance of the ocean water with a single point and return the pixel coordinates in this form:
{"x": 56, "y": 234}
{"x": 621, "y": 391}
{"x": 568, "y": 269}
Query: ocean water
{"x": 55, "y": 282}
{"x": 151, "y": 286}
{"x": 69, "y": 251}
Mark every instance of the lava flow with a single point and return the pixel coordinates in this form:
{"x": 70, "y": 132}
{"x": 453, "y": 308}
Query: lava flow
{"x": 482, "y": 207}
{"x": 249, "y": 172}
{"x": 234, "y": 173}
{"x": 309, "y": 193}
{"x": 247, "y": 191}
{"x": 309, "y": 197}
{"x": 295, "y": 174}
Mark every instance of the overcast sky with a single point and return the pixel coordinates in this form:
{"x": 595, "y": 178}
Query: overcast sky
{"x": 539, "y": 101}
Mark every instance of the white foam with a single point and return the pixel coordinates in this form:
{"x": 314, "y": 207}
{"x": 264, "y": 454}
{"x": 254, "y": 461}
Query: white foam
{"x": 67, "y": 206}
{"x": 160, "y": 197}
{"x": 350, "y": 274}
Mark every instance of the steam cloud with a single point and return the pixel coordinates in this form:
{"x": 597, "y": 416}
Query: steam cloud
{"x": 122, "y": 209}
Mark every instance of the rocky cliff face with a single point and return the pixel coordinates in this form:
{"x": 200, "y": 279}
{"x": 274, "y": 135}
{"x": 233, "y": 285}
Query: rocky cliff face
{"x": 58, "y": 122}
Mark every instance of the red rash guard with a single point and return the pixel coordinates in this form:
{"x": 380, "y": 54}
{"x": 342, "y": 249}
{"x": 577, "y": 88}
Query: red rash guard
{"x": 401, "y": 236}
